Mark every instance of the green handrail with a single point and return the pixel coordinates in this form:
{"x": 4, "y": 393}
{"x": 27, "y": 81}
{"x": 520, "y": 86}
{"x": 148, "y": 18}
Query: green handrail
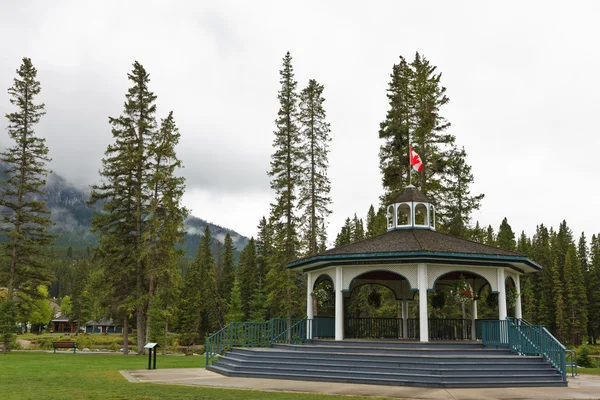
{"x": 526, "y": 339}
{"x": 241, "y": 334}
{"x": 296, "y": 333}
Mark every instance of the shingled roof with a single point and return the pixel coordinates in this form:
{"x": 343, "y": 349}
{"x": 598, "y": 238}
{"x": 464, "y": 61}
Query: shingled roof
{"x": 411, "y": 193}
{"x": 422, "y": 243}
{"x": 411, "y": 240}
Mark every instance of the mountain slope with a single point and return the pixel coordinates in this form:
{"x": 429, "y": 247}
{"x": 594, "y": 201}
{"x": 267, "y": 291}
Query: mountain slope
{"x": 73, "y": 217}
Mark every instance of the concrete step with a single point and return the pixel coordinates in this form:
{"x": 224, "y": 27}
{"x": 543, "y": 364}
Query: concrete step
{"x": 443, "y": 370}
{"x": 390, "y": 380}
{"x": 484, "y": 352}
{"x": 400, "y": 344}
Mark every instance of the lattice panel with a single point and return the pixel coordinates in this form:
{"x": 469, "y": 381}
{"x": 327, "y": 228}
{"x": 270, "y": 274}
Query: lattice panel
{"x": 434, "y": 271}
{"x": 409, "y": 271}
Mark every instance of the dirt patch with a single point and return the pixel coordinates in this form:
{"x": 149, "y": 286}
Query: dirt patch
{"x": 25, "y": 344}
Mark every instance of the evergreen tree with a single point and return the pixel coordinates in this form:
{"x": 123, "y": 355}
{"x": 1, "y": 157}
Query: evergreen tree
{"x": 25, "y": 218}
{"x": 286, "y": 166}
{"x": 228, "y": 268}
{"x": 346, "y": 235}
{"x": 314, "y": 185}
{"x": 559, "y": 303}
{"x": 541, "y": 253}
{"x": 490, "y": 237}
{"x": 235, "y": 313}
{"x": 358, "y": 231}
{"x": 125, "y": 193}
{"x": 395, "y": 131}
{"x": 264, "y": 248}
{"x": 166, "y": 215}
{"x": 575, "y": 297}
{"x": 477, "y": 234}
{"x": 371, "y": 221}
{"x": 247, "y": 276}
{"x": 506, "y": 237}
{"x": 212, "y": 307}
{"x": 191, "y": 305}
{"x": 593, "y": 291}
{"x": 459, "y": 204}
{"x": 258, "y": 303}
{"x": 284, "y": 287}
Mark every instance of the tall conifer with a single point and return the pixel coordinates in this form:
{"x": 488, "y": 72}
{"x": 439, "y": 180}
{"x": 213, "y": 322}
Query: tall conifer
{"x": 314, "y": 185}
{"x": 25, "y": 218}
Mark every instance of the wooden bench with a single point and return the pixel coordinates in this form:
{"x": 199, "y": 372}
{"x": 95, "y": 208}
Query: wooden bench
{"x": 65, "y": 345}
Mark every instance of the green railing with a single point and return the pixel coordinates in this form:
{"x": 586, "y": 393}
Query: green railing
{"x": 526, "y": 339}
{"x": 241, "y": 334}
{"x": 297, "y": 332}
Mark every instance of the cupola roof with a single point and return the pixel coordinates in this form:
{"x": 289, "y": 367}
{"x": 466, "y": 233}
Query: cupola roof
{"x": 411, "y": 193}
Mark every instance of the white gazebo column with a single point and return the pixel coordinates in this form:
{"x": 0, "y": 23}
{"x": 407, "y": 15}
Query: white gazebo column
{"x": 474, "y": 320}
{"x": 501, "y": 295}
{"x": 310, "y": 314}
{"x": 518, "y": 310}
{"x": 423, "y": 321}
{"x": 339, "y": 305}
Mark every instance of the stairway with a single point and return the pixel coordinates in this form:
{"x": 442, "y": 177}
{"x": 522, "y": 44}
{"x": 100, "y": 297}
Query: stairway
{"x": 441, "y": 364}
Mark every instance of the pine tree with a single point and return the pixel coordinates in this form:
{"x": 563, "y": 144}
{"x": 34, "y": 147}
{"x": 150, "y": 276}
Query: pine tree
{"x": 235, "y": 313}
{"x": 228, "y": 269}
{"x": 314, "y": 185}
{"x": 258, "y": 303}
{"x": 490, "y": 237}
{"x": 541, "y": 253}
{"x": 286, "y": 166}
{"x": 346, "y": 235}
{"x": 166, "y": 215}
{"x": 575, "y": 297}
{"x": 358, "y": 230}
{"x": 559, "y": 302}
{"x": 284, "y": 286}
{"x": 593, "y": 290}
{"x": 212, "y": 307}
{"x": 477, "y": 234}
{"x": 395, "y": 131}
{"x": 506, "y": 237}
{"x": 264, "y": 248}
{"x": 125, "y": 195}
{"x": 25, "y": 218}
{"x": 459, "y": 204}
{"x": 371, "y": 221}
{"x": 247, "y": 276}
{"x": 191, "y": 305}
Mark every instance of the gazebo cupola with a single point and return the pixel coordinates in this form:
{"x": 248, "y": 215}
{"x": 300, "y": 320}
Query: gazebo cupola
{"x": 411, "y": 209}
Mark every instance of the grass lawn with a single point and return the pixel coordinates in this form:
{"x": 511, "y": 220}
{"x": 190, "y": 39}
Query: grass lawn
{"x": 584, "y": 371}
{"x": 96, "y": 376}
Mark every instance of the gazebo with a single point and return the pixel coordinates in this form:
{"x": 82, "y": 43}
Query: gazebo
{"x": 411, "y": 258}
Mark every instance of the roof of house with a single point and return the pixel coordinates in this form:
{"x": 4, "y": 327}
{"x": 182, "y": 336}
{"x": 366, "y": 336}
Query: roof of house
{"x": 102, "y": 322}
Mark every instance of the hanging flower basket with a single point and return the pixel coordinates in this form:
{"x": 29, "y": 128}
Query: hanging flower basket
{"x": 462, "y": 291}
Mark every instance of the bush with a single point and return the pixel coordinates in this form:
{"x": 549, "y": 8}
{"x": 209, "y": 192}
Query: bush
{"x": 583, "y": 357}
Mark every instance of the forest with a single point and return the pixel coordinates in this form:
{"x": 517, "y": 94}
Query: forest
{"x": 139, "y": 275}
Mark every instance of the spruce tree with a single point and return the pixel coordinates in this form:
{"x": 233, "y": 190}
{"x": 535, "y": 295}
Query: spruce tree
{"x": 247, "y": 276}
{"x": 264, "y": 248}
{"x": 25, "y": 218}
{"x": 358, "y": 231}
{"x": 314, "y": 190}
{"x": 235, "y": 313}
{"x": 395, "y": 131}
{"x": 459, "y": 204}
{"x": 125, "y": 194}
{"x": 506, "y": 237}
{"x": 490, "y": 236}
{"x": 258, "y": 303}
{"x": 212, "y": 307}
{"x": 166, "y": 215}
{"x": 575, "y": 297}
{"x": 370, "y": 222}
{"x": 541, "y": 253}
{"x": 560, "y": 326}
{"x": 593, "y": 291}
{"x": 227, "y": 269}
{"x": 286, "y": 166}
{"x": 284, "y": 287}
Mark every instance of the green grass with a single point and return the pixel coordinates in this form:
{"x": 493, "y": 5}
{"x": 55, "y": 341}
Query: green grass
{"x": 587, "y": 371}
{"x": 95, "y": 376}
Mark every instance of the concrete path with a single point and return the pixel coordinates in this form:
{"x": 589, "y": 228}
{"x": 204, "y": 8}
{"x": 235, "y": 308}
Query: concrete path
{"x": 581, "y": 387}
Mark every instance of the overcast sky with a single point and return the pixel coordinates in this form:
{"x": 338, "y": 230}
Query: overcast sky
{"x": 522, "y": 78}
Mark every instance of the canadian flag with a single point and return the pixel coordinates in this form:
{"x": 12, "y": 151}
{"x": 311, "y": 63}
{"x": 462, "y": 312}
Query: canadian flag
{"x": 415, "y": 161}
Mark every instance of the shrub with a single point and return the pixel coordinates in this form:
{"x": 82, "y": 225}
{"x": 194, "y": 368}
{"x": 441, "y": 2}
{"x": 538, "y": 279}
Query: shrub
{"x": 583, "y": 357}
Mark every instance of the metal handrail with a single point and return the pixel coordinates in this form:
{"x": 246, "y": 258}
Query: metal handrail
{"x": 526, "y": 339}
{"x": 295, "y": 333}
{"x": 241, "y": 334}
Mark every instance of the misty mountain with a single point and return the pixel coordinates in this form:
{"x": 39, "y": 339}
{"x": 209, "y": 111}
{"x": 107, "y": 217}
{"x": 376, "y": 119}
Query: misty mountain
{"x": 73, "y": 217}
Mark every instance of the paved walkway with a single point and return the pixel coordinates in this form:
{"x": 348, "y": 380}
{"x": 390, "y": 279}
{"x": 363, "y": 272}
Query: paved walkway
{"x": 581, "y": 387}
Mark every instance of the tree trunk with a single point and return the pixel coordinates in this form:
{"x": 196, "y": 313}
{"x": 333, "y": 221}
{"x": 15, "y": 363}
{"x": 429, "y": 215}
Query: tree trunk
{"x": 164, "y": 349}
{"x": 125, "y": 336}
